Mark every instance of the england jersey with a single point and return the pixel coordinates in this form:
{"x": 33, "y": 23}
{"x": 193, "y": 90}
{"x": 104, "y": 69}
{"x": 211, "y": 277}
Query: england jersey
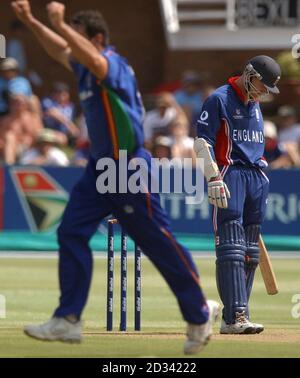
{"x": 235, "y": 130}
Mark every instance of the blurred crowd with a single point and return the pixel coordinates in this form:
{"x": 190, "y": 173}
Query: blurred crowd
{"x": 171, "y": 126}
{"x": 37, "y": 131}
{"x": 51, "y": 131}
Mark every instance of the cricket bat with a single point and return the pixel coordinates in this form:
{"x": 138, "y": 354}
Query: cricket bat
{"x": 266, "y": 269}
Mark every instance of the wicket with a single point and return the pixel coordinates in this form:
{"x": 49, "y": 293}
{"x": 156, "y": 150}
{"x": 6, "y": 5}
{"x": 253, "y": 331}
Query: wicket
{"x": 123, "y": 275}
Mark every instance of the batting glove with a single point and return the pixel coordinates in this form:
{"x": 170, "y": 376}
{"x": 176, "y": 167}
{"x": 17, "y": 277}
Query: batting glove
{"x": 218, "y": 193}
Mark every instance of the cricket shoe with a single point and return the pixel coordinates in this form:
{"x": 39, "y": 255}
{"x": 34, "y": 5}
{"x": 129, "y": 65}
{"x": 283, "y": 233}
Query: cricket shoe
{"x": 259, "y": 328}
{"x": 56, "y": 329}
{"x": 242, "y": 326}
{"x": 198, "y": 336}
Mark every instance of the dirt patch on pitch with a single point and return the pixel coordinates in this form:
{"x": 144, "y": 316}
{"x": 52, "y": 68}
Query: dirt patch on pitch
{"x": 269, "y": 336}
{"x": 157, "y": 335}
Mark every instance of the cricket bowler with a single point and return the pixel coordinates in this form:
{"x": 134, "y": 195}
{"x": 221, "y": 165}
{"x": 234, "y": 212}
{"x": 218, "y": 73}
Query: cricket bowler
{"x": 231, "y": 142}
{"x": 114, "y": 114}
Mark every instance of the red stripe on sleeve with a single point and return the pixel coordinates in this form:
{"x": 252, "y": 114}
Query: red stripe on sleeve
{"x": 222, "y": 146}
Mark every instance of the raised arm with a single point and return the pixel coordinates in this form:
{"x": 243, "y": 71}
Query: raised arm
{"x": 82, "y": 49}
{"x": 56, "y": 47}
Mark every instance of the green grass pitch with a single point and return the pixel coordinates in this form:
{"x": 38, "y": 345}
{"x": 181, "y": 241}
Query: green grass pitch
{"x": 31, "y": 290}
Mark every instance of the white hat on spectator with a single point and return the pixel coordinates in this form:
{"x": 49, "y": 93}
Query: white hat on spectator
{"x": 286, "y": 111}
{"x": 9, "y": 64}
{"x": 163, "y": 141}
{"x": 270, "y": 130}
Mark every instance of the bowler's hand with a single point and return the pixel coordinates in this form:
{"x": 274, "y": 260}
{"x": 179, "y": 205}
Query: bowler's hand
{"x": 56, "y": 14}
{"x": 218, "y": 193}
{"x": 22, "y": 10}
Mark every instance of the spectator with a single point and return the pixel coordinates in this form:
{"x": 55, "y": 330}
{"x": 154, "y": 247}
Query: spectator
{"x": 19, "y": 129}
{"x": 293, "y": 152}
{"x": 182, "y": 144}
{"x": 82, "y": 153}
{"x": 59, "y": 113}
{"x": 190, "y": 96}
{"x": 158, "y": 120}
{"x": 162, "y": 148}
{"x": 16, "y": 49}
{"x": 15, "y": 45}
{"x": 45, "y": 151}
{"x": 3, "y": 98}
{"x": 11, "y": 83}
{"x": 207, "y": 90}
{"x": 289, "y": 128}
{"x": 275, "y": 153}
{"x": 8, "y": 144}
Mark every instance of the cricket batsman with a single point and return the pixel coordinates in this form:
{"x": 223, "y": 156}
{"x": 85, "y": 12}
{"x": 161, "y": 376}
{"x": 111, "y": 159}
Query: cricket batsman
{"x": 231, "y": 142}
{"x": 114, "y": 114}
